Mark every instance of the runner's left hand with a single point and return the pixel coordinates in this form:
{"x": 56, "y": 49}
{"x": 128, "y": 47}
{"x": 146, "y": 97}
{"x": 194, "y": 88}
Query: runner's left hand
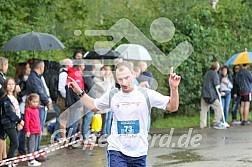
{"x": 174, "y": 79}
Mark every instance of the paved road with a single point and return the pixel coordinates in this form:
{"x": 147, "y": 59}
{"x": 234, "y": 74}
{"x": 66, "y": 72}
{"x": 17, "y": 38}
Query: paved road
{"x": 173, "y": 147}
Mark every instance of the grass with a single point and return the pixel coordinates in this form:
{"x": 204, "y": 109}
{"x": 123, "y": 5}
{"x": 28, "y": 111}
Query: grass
{"x": 177, "y": 122}
{"x": 180, "y": 121}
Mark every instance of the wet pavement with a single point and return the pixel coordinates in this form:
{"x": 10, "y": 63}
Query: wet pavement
{"x": 173, "y": 147}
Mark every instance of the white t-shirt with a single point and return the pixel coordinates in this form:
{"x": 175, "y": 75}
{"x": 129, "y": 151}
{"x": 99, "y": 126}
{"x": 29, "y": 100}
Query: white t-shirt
{"x": 130, "y": 119}
{"x": 14, "y": 101}
{"x": 62, "y": 83}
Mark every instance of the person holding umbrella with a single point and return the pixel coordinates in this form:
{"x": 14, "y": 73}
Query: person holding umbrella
{"x": 244, "y": 81}
{"x": 34, "y": 84}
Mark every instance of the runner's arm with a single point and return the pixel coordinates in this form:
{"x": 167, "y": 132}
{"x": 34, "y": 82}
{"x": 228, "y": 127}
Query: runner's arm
{"x": 174, "y": 81}
{"x": 173, "y": 103}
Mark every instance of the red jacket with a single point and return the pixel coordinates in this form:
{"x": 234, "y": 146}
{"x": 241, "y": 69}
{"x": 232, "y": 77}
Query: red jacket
{"x": 76, "y": 75}
{"x": 32, "y": 121}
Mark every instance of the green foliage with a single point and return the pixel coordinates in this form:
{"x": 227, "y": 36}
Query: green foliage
{"x": 214, "y": 34}
{"x": 177, "y": 121}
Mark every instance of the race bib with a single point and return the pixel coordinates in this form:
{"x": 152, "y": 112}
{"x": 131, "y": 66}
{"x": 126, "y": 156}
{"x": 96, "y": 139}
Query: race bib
{"x": 128, "y": 127}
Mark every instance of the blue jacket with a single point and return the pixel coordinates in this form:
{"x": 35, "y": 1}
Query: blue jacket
{"x": 9, "y": 117}
{"x": 2, "y": 79}
{"x": 34, "y": 84}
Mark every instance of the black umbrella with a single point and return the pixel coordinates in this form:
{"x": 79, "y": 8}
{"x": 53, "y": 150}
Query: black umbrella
{"x": 101, "y": 54}
{"x": 33, "y": 41}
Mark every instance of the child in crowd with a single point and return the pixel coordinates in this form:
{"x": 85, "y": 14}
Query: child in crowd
{"x": 32, "y": 125}
{"x": 10, "y": 115}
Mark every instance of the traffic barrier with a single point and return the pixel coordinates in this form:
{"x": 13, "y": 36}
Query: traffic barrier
{"x": 51, "y": 148}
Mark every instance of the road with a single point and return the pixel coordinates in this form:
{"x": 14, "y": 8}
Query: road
{"x": 173, "y": 147}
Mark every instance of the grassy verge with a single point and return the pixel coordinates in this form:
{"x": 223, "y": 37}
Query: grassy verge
{"x": 180, "y": 121}
{"x": 177, "y": 122}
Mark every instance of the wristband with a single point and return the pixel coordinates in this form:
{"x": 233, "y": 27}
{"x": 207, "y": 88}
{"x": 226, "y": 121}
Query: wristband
{"x": 81, "y": 94}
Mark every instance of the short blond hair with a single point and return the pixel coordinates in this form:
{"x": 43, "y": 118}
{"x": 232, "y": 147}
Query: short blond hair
{"x": 121, "y": 66}
{"x": 3, "y": 62}
{"x": 215, "y": 65}
{"x": 66, "y": 62}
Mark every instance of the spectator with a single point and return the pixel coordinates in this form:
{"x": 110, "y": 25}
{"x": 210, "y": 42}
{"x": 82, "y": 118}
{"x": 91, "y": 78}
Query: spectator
{"x": 77, "y": 55}
{"x": 244, "y": 80}
{"x": 128, "y": 147}
{"x": 108, "y": 77}
{"x": 137, "y": 72}
{"x": 72, "y": 98}
{"x": 145, "y": 75}
{"x": 4, "y": 67}
{"x": 22, "y": 72}
{"x": 61, "y": 100}
{"x": 34, "y": 84}
{"x": 210, "y": 97}
{"x": 116, "y": 62}
{"x": 104, "y": 83}
{"x": 32, "y": 125}
{"x": 11, "y": 117}
{"x": 226, "y": 84}
{"x": 235, "y": 96}
{"x": 3, "y": 70}
{"x": 88, "y": 76}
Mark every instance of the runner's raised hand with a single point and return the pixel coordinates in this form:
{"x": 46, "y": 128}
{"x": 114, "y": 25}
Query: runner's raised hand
{"x": 174, "y": 79}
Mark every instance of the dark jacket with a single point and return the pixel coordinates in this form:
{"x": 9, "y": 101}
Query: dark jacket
{"x": 2, "y": 79}
{"x": 34, "y": 84}
{"x": 244, "y": 81}
{"x": 146, "y": 76}
{"x": 211, "y": 80}
{"x": 22, "y": 85}
{"x": 88, "y": 80}
{"x": 235, "y": 89}
{"x": 9, "y": 118}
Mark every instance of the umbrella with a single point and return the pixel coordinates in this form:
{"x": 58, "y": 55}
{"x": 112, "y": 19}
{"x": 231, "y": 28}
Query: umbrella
{"x": 240, "y": 58}
{"x": 101, "y": 53}
{"x": 133, "y": 52}
{"x": 33, "y": 41}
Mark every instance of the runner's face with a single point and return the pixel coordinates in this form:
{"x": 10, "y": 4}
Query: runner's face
{"x": 125, "y": 79}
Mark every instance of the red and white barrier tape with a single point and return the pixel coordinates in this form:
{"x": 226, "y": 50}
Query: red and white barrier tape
{"x": 43, "y": 151}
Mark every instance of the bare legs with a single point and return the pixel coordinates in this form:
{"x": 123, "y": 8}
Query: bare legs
{"x": 3, "y": 153}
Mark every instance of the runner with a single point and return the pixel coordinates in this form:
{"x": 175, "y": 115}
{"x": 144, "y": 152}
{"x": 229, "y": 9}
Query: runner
{"x": 127, "y": 144}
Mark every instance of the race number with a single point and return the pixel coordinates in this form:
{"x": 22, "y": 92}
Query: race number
{"x": 128, "y": 127}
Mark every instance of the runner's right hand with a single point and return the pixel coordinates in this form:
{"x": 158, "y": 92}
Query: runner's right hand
{"x": 74, "y": 85}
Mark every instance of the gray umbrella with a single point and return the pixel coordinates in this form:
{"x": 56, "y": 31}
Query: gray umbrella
{"x": 33, "y": 41}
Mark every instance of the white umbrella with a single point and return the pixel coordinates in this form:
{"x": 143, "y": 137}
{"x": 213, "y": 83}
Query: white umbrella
{"x": 133, "y": 52}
